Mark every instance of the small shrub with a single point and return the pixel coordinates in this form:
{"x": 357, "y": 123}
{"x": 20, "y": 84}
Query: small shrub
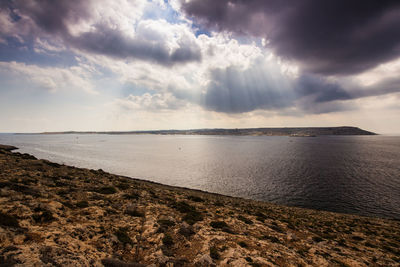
{"x": 245, "y": 220}
{"x": 340, "y": 263}
{"x": 342, "y": 243}
{"x": 28, "y": 181}
{"x": 167, "y": 240}
{"x": 357, "y": 238}
{"x": 183, "y": 207}
{"x": 165, "y": 222}
{"x": 52, "y": 164}
{"x": 273, "y": 239}
{"x": 243, "y": 244}
{"x": 106, "y": 190}
{"x": 60, "y": 184}
{"x": 317, "y": 239}
{"x": 34, "y": 237}
{"x": 123, "y": 236}
{"x": 219, "y": 204}
{"x": 302, "y": 252}
{"x": 248, "y": 259}
{"x": 43, "y": 217}
{"x": 214, "y": 254}
{"x": 193, "y": 217}
{"x": 218, "y": 224}
{"x": 396, "y": 259}
{"x": 26, "y": 190}
{"x": 82, "y": 204}
{"x": 123, "y": 186}
{"x": 109, "y": 262}
{"x": 153, "y": 194}
{"x": 275, "y": 227}
{"x": 260, "y": 219}
{"x": 191, "y": 214}
{"x": 131, "y": 196}
{"x": 111, "y": 211}
{"x": 170, "y": 200}
{"x": 195, "y": 199}
{"x": 134, "y": 213}
{"x": 392, "y": 244}
{"x": 9, "y": 248}
{"x": 5, "y": 184}
{"x": 8, "y": 220}
{"x": 186, "y": 231}
{"x": 27, "y": 156}
{"x": 67, "y": 204}
{"x": 167, "y": 251}
{"x": 227, "y": 230}
{"x": 390, "y": 249}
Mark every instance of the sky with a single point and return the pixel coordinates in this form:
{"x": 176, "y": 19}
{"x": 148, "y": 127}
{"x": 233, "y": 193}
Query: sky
{"x": 97, "y": 65}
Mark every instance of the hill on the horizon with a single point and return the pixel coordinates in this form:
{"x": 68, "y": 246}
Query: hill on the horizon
{"x": 285, "y": 131}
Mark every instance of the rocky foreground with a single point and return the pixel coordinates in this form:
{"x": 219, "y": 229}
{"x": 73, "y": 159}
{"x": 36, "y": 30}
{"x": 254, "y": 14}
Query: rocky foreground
{"x": 57, "y": 215}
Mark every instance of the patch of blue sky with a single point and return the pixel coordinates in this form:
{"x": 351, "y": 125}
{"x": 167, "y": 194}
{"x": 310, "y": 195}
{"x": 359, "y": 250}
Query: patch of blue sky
{"x": 24, "y": 52}
{"x": 169, "y": 14}
{"x": 14, "y": 16}
{"x": 153, "y": 11}
{"x": 199, "y": 30}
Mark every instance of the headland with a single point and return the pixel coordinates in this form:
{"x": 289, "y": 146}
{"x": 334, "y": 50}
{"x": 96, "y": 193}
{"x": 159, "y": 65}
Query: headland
{"x": 286, "y": 131}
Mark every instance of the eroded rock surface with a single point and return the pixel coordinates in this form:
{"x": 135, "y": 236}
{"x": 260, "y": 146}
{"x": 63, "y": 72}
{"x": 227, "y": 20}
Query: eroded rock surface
{"x": 56, "y": 215}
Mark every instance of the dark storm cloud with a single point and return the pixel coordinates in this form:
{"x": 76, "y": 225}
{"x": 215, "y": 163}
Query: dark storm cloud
{"x": 111, "y": 42}
{"x": 52, "y": 16}
{"x": 325, "y": 91}
{"x": 233, "y": 90}
{"x": 320, "y": 88}
{"x": 51, "y": 19}
{"x": 326, "y": 37}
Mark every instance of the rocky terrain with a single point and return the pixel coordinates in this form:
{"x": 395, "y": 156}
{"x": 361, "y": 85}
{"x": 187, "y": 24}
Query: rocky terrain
{"x": 57, "y": 215}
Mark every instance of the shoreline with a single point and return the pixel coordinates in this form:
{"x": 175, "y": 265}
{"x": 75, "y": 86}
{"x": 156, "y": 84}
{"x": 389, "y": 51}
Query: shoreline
{"x": 13, "y": 148}
{"x": 61, "y": 215}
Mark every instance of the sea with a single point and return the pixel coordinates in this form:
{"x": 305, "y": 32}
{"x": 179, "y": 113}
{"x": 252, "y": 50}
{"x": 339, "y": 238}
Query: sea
{"x": 348, "y": 174}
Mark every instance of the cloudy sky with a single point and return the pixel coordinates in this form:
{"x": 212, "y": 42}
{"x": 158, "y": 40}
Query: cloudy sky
{"x": 138, "y": 65}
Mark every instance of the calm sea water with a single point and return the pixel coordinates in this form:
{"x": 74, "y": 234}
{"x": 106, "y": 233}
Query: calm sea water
{"x": 351, "y": 174}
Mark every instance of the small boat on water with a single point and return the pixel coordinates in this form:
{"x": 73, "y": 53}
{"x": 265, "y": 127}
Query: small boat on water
{"x": 302, "y": 135}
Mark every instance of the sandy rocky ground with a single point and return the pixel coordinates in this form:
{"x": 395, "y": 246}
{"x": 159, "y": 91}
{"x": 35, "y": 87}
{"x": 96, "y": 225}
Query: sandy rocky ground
{"x": 57, "y": 215}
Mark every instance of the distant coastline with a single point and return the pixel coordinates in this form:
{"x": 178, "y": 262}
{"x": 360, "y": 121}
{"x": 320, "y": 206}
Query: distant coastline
{"x": 286, "y": 131}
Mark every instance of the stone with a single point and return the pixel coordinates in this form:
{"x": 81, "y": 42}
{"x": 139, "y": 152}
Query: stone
{"x": 205, "y": 260}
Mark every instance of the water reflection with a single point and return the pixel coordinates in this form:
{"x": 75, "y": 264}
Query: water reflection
{"x": 345, "y": 174}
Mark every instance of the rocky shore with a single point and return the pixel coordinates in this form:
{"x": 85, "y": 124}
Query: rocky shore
{"x": 57, "y": 215}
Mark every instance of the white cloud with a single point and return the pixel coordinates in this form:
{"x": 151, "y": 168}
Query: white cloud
{"x": 48, "y": 78}
{"x": 48, "y": 47}
{"x": 379, "y": 74}
{"x": 150, "y": 102}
